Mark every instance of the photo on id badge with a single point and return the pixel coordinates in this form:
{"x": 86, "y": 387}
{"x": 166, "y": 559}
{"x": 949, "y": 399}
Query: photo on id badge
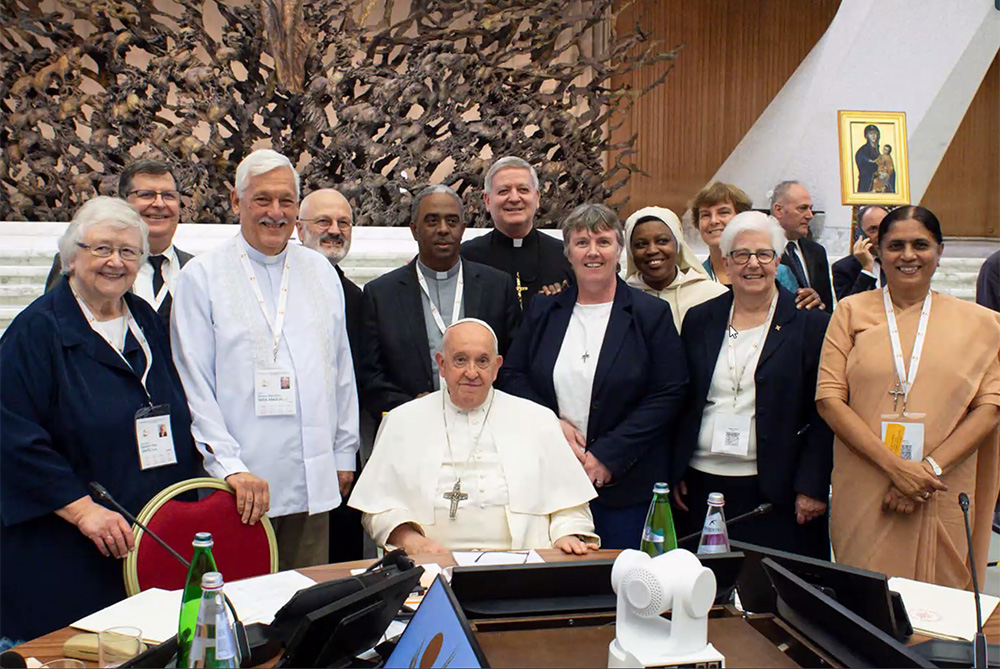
{"x": 903, "y": 434}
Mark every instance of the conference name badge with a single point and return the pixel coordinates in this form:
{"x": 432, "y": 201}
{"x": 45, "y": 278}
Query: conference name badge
{"x": 731, "y": 434}
{"x": 274, "y": 391}
{"x": 152, "y": 434}
{"x": 903, "y": 434}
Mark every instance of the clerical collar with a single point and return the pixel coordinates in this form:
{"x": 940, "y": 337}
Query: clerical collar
{"x": 262, "y": 258}
{"x": 440, "y": 276}
{"x": 516, "y": 243}
{"x": 456, "y": 409}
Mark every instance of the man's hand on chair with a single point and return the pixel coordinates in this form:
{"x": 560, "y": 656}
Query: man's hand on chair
{"x": 253, "y": 497}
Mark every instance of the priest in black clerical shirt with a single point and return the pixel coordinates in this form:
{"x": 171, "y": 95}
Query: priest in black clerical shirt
{"x": 534, "y": 260}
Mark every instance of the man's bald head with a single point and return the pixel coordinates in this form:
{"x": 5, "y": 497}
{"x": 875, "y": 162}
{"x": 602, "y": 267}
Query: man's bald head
{"x": 325, "y": 223}
{"x": 469, "y": 362}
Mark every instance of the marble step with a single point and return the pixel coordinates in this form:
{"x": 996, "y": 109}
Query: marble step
{"x": 22, "y": 274}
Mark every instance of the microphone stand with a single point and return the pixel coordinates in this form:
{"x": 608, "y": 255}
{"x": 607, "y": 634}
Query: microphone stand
{"x": 238, "y": 628}
{"x": 979, "y": 643}
{"x": 766, "y": 507}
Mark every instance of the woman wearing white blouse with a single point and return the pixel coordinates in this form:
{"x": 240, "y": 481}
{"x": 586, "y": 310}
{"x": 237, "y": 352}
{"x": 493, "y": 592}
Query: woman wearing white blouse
{"x": 607, "y": 360}
{"x": 750, "y": 429}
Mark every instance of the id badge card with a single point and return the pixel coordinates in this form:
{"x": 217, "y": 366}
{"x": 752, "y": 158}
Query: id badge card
{"x": 731, "y": 434}
{"x": 152, "y": 434}
{"x": 274, "y": 391}
{"x": 903, "y": 434}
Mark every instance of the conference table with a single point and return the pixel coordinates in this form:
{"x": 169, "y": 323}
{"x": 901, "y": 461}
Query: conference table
{"x": 740, "y": 639}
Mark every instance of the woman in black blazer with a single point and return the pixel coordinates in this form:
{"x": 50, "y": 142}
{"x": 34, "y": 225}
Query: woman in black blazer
{"x": 608, "y": 361}
{"x": 750, "y": 429}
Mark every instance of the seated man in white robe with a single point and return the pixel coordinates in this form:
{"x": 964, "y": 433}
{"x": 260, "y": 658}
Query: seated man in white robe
{"x": 470, "y": 467}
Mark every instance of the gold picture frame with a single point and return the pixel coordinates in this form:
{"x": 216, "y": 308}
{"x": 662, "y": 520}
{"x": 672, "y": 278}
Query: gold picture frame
{"x": 874, "y": 165}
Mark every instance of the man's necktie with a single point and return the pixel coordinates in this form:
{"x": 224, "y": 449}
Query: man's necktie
{"x": 157, "y": 263}
{"x": 796, "y": 264}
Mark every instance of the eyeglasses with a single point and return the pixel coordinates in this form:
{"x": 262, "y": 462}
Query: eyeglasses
{"x": 764, "y": 256}
{"x": 126, "y": 253}
{"x": 324, "y": 223}
{"x": 147, "y": 196}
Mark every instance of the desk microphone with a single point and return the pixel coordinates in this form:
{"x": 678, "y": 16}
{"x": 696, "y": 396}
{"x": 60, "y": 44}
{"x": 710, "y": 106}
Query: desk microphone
{"x": 979, "y": 644}
{"x": 238, "y": 627}
{"x": 766, "y": 507}
{"x": 12, "y": 660}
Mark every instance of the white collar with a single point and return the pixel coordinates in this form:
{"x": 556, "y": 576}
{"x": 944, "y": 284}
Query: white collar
{"x": 453, "y": 409}
{"x": 261, "y": 258}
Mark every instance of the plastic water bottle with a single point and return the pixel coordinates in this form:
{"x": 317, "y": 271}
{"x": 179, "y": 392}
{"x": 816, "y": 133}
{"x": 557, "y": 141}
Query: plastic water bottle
{"x": 714, "y": 535}
{"x": 202, "y": 563}
{"x": 659, "y": 535}
{"x": 214, "y": 644}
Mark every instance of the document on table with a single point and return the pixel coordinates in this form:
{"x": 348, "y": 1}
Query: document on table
{"x": 937, "y": 611}
{"x": 156, "y": 612}
{"x": 494, "y": 558}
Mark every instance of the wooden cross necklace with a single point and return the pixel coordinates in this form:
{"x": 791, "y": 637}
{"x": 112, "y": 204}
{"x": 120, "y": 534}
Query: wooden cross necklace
{"x": 455, "y": 495}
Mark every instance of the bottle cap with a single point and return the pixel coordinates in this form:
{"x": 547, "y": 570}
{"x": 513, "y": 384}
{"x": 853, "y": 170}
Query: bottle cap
{"x": 716, "y": 499}
{"x": 660, "y": 488}
{"x": 212, "y": 580}
{"x": 202, "y": 539}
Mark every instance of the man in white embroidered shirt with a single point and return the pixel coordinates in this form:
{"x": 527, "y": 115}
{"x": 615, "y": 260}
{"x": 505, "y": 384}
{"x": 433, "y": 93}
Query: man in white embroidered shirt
{"x": 259, "y": 339}
{"x": 470, "y": 467}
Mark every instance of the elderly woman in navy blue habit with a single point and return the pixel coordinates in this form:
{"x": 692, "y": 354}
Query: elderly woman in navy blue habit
{"x": 88, "y": 393}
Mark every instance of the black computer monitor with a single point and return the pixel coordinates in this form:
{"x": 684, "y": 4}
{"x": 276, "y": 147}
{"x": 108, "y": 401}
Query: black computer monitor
{"x": 438, "y": 635}
{"x": 840, "y": 632}
{"x": 333, "y": 635}
{"x": 864, "y": 592}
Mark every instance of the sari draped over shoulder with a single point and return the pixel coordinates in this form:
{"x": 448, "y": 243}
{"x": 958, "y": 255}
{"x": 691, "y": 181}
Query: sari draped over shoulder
{"x": 959, "y": 370}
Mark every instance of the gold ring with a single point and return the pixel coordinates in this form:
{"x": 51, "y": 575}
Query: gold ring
{"x": 927, "y": 495}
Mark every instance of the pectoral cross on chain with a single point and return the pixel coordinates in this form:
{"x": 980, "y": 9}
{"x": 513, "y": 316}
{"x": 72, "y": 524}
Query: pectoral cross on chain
{"x": 896, "y": 393}
{"x": 520, "y": 289}
{"x": 455, "y": 496}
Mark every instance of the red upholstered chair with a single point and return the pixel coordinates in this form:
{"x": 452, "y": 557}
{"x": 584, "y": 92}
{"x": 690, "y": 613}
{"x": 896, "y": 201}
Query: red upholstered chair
{"x": 240, "y": 550}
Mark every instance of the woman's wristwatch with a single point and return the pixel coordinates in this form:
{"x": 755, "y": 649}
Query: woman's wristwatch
{"x": 935, "y": 467}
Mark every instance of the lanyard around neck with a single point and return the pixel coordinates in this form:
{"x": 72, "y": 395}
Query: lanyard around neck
{"x": 456, "y": 308}
{"x": 904, "y": 380}
{"x": 132, "y": 327}
{"x": 737, "y": 375}
{"x": 278, "y": 322}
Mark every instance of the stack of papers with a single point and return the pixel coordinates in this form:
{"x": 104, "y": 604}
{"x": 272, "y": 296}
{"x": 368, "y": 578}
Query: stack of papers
{"x": 937, "y": 611}
{"x": 156, "y": 611}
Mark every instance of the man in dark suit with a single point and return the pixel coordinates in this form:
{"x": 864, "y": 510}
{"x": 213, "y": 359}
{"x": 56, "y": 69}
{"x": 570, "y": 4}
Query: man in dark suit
{"x": 405, "y": 312}
{"x": 535, "y": 261}
{"x": 792, "y": 206}
{"x": 861, "y": 271}
{"x": 150, "y": 187}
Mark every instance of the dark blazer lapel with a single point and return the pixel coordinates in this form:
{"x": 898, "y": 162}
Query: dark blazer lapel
{"x": 551, "y": 340}
{"x": 76, "y": 331}
{"x": 716, "y": 329}
{"x": 784, "y": 312}
{"x": 411, "y": 314}
{"x": 614, "y": 336}
{"x": 472, "y": 296}
{"x": 182, "y": 257}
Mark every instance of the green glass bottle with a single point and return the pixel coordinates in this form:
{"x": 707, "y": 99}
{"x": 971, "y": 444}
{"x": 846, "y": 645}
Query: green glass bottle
{"x": 659, "y": 535}
{"x": 202, "y": 563}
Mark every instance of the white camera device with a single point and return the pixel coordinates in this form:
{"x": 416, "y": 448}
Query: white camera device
{"x": 647, "y": 587}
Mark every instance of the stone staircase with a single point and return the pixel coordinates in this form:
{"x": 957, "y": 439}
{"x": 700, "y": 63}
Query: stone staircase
{"x": 26, "y": 251}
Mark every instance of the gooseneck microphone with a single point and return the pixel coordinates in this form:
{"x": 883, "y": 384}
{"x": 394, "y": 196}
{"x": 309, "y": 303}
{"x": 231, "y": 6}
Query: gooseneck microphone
{"x": 766, "y": 507}
{"x": 979, "y": 643}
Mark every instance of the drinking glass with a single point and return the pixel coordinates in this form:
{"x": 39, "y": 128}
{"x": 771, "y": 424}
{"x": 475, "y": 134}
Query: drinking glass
{"x": 117, "y": 644}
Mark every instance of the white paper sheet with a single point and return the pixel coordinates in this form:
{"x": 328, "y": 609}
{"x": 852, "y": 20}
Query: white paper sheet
{"x": 493, "y": 558}
{"x": 937, "y": 611}
{"x": 156, "y": 611}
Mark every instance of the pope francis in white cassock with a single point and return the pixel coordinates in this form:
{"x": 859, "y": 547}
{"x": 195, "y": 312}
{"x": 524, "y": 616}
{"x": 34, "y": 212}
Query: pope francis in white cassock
{"x": 470, "y": 467}
{"x": 259, "y": 340}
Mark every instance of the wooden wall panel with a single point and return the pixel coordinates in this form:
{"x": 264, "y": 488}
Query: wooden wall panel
{"x": 965, "y": 190}
{"x": 738, "y": 55}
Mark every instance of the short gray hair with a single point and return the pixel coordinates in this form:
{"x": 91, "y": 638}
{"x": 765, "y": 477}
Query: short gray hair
{"x": 506, "y": 163}
{"x": 432, "y": 190}
{"x": 102, "y": 209}
{"x": 752, "y": 221}
{"x": 593, "y": 218}
{"x": 780, "y": 190}
{"x": 260, "y": 162}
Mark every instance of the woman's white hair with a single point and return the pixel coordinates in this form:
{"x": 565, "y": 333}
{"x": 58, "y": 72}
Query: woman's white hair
{"x": 752, "y": 221}
{"x": 260, "y": 162}
{"x": 100, "y": 210}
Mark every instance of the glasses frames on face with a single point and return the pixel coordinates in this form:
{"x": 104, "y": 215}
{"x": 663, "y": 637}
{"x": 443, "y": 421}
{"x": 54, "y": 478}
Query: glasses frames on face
{"x": 127, "y": 253}
{"x": 324, "y": 223}
{"x": 764, "y": 256}
{"x": 146, "y": 196}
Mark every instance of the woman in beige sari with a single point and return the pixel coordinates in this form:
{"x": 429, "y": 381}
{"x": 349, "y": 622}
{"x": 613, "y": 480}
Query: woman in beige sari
{"x": 894, "y": 515}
